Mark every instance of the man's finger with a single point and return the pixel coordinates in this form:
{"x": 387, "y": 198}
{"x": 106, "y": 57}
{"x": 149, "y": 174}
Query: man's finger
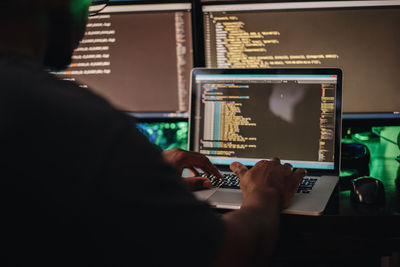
{"x": 194, "y": 159}
{"x": 275, "y": 159}
{"x": 288, "y": 168}
{"x": 193, "y": 171}
{"x": 299, "y": 174}
{"x": 238, "y": 168}
{"x": 208, "y": 167}
{"x": 197, "y": 183}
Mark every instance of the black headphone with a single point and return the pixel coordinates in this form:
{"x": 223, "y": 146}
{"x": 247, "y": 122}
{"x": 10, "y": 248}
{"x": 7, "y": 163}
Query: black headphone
{"x": 96, "y": 6}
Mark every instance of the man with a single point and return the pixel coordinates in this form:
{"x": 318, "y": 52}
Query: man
{"x": 81, "y": 186}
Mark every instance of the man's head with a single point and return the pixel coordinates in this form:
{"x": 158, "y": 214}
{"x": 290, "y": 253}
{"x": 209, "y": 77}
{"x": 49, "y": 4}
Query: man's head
{"x": 53, "y": 28}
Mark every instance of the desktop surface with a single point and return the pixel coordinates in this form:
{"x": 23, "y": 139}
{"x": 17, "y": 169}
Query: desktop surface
{"x": 348, "y": 232}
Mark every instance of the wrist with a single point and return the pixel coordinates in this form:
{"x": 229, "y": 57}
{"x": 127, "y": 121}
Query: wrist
{"x": 262, "y": 197}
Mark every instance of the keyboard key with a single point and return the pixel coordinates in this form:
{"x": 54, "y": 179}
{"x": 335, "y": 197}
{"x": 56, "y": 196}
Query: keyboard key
{"x": 306, "y": 185}
{"x": 228, "y": 181}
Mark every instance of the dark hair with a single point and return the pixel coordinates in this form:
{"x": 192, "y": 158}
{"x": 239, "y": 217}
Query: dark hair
{"x": 18, "y": 10}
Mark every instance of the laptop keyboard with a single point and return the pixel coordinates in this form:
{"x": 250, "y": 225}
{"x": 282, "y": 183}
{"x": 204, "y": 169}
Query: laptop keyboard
{"x": 228, "y": 181}
{"x": 306, "y": 185}
{"x": 232, "y": 181}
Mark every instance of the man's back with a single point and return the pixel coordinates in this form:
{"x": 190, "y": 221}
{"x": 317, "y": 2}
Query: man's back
{"x": 76, "y": 179}
{"x": 79, "y": 184}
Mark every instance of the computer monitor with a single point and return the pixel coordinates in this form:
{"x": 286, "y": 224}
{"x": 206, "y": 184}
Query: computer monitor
{"x": 167, "y": 134}
{"x": 360, "y": 37}
{"x": 138, "y": 55}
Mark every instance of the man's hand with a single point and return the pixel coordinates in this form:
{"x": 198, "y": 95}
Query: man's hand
{"x": 182, "y": 159}
{"x": 252, "y": 231}
{"x": 267, "y": 175}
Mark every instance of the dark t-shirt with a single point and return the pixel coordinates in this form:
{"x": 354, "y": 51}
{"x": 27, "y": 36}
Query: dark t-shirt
{"x": 81, "y": 186}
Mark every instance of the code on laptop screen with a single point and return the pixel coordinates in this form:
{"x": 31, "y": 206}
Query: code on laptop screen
{"x": 253, "y": 117}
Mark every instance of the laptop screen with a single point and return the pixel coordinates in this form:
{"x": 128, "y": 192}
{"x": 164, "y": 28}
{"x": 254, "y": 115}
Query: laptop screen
{"x": 246, "y": 116}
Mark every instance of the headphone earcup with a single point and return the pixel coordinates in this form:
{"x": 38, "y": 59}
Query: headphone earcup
{"x": 67, "y": 26}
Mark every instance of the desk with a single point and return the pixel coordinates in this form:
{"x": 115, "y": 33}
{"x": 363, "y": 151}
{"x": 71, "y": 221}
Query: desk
{"x": 347, "y": 235}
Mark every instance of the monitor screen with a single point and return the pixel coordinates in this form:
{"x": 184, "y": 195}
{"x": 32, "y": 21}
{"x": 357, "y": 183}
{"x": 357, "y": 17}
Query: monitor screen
{"x": 166, "y": 134}
{"x": 360, "y": 37}
{"x": 139, "y": 57}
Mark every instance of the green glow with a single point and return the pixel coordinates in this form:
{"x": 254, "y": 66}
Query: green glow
{"x": 361, "y": 137}
{"x": 345, "y": 193}
{"x": 344, "y": 173}
{"x": 77, "y": 7}
{"x": 166, "y": 135}
{"x": 347, "y": 140}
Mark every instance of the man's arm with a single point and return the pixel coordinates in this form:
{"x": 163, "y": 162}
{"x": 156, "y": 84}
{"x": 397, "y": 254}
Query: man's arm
{"x": 251, "y": 232}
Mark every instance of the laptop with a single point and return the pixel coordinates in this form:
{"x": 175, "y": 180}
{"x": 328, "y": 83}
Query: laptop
{"x": 247, "y": 115}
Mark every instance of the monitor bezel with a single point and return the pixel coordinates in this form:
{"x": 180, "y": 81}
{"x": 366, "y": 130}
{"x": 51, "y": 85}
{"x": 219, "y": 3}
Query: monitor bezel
{"x": 134, "y": 2}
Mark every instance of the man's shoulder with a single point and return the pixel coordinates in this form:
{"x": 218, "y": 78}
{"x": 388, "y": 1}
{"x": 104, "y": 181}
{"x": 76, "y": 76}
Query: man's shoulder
{"x": 26, "y": 86}
{"x": 42, "y": 115}
{"x": 31, "y": 98}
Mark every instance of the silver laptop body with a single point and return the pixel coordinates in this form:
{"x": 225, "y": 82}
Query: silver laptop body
{"x": 246, "y": 115}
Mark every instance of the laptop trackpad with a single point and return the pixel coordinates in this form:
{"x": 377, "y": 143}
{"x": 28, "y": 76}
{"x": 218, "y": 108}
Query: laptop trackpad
{"x": 227, "y": 198}
{"x": 204, "y": 194}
